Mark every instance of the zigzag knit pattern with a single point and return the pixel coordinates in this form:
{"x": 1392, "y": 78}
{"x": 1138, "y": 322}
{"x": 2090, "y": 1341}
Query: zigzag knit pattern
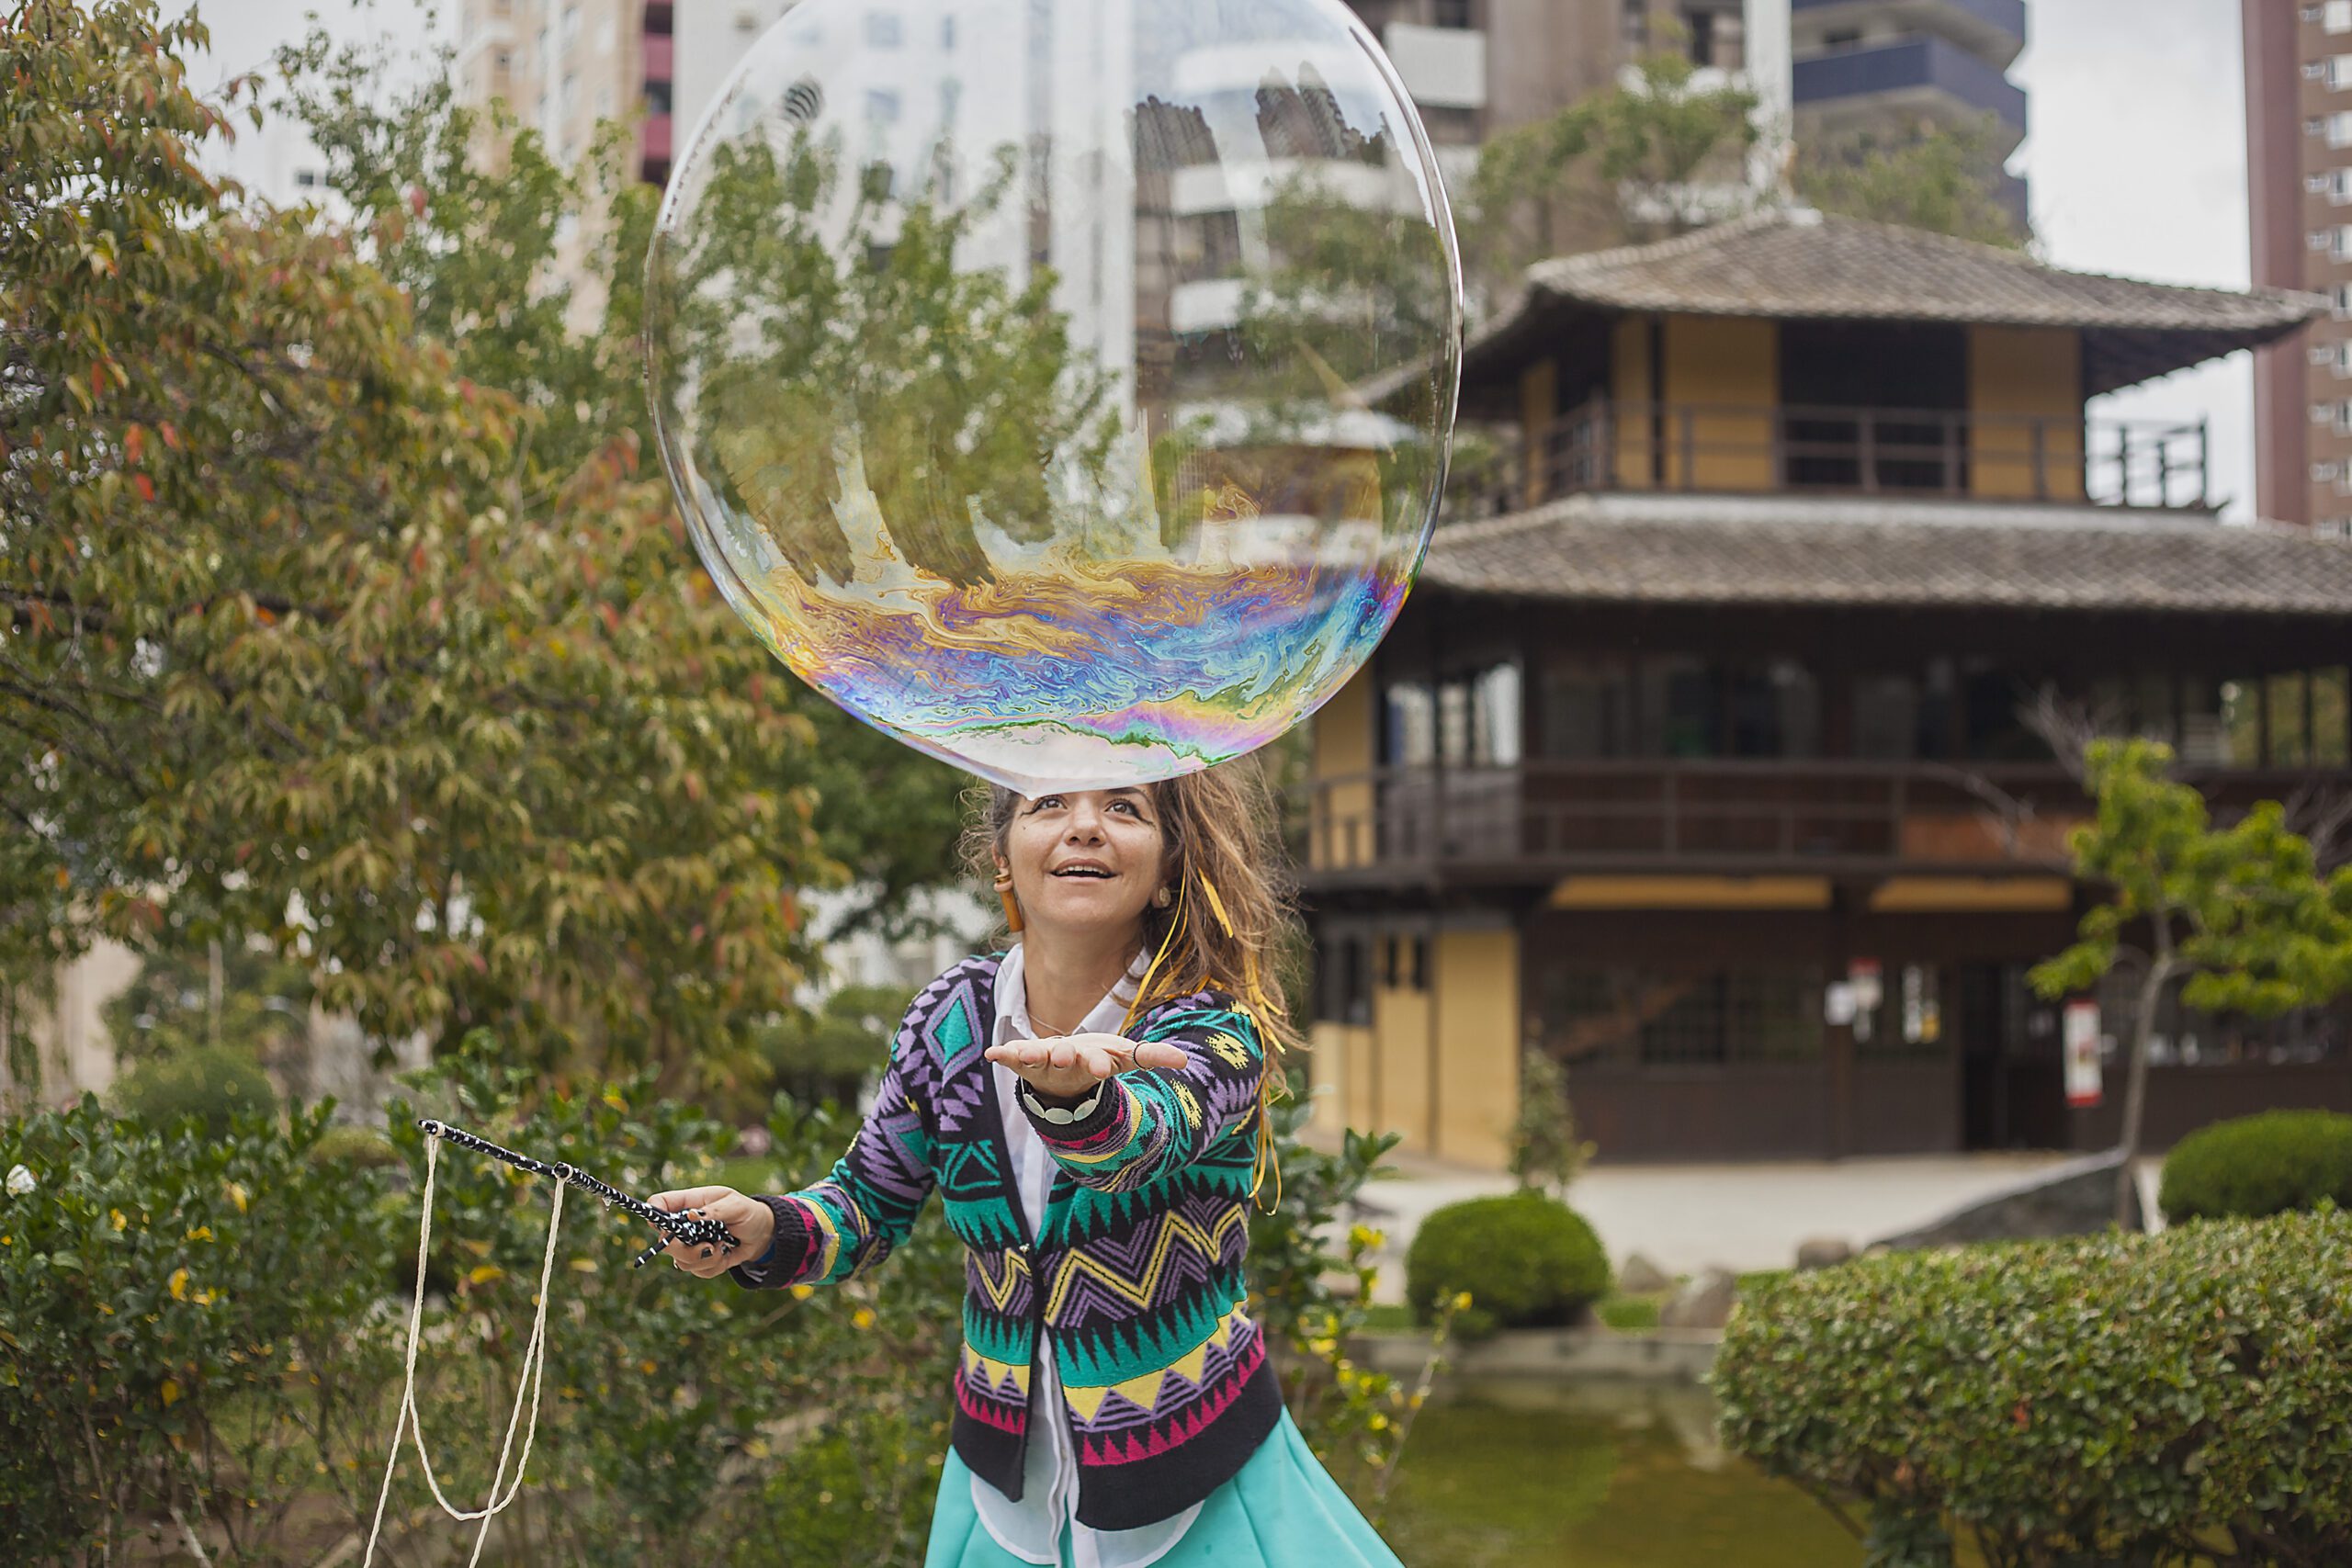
{"x": 1137, "y": 1272}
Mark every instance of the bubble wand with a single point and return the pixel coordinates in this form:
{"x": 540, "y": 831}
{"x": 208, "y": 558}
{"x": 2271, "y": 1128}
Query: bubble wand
{"x": 410, "y": 1425}
{"x": 679, "y": 1228}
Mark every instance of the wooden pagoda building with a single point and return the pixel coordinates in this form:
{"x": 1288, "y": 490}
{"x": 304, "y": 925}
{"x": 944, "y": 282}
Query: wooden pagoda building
{"x": 1700, "y": 757}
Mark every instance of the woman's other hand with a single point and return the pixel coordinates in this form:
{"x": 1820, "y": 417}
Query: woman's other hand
{"x": 753, "y": 1222}
{"x": 1070, "y": 1067}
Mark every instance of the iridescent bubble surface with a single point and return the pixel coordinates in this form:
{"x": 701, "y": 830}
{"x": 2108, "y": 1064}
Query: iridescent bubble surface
{"x": 1062, "y": 386}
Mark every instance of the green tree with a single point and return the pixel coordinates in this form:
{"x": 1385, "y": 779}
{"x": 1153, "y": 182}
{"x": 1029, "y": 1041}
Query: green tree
{"x": 196, "y": 992}
{"x": 1947, "y": 181}
{"x": 1546, "y": 1155}
{"x": 2238, "y": 913}
{"x": 1652, "y": 155}
{"x": 300, "y": 642}
{"x": 464, "y": 209}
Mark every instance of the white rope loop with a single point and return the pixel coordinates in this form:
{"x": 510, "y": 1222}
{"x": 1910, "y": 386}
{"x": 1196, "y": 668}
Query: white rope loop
{"x": 534, "y": 1373}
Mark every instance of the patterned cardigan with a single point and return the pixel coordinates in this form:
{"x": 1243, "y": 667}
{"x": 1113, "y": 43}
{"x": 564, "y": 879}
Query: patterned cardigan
{"x": 1136, "y": 1272}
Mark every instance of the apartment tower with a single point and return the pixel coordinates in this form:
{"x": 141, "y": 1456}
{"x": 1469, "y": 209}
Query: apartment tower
{"x": 2298, "y": 182}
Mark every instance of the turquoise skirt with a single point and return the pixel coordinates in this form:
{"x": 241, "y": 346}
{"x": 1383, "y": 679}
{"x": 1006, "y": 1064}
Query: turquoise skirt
{"x": 1281, "y": 1511}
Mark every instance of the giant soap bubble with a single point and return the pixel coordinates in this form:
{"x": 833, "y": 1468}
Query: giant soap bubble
{"x": 1063, "y": 387}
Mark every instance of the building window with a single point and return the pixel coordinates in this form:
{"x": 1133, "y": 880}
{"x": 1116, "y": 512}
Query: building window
{"x": 2339, "y": 72}
{"x": 1908, "y": 1019}
{"x": 2338, "y": 186}
{"x": 1608, "y": 1017}
{"x": 2336, "y": 15}
{"x": 657, "y": 98}
{"x": 307, "y": 179}
{"x": 947, "y": 32}
{"x": 2340, "y": 298}
{"x": 2339, "y": 243}
{"x": 1466, "y": 721}
{"x": 1452, "y": 14}
{"x": 882, "y": 105}
{"x": 2338, "y": 127}
{"x": 2321, "y": 473}
{"x": 884, "y": 30}
{"x": 2334, "y": 527}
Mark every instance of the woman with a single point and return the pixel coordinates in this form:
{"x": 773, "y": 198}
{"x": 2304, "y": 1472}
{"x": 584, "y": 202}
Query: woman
{"x": 1091, "y": 1105}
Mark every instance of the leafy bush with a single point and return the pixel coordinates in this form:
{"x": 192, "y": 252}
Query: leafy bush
{"x": 214, "y": 1084}
{"x": 2142, "y": 1400}
{"x": 201, "y": 1337}
{"x": 356, "y": 1149}
{"x": 1359, "y": 1419}
{"x": 829, "y": 1052}
{"x": 2254, "y": 1165}
{"x": 1527, "y": 1261}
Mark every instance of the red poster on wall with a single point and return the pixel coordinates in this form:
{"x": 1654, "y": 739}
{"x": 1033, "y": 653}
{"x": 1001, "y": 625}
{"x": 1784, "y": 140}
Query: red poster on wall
{"x": 2084, "y": 1086}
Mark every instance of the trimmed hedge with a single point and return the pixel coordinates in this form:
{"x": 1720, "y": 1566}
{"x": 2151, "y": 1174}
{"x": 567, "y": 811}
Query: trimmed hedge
{"x": 213, "y": 1083}
{"x": 2274, "y": 1162}
{"x": 1528, "y": 1261}
{"x": 2120, "y": 1399}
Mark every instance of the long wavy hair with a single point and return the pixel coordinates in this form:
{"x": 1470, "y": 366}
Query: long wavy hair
{"x": 1233, "y": 924}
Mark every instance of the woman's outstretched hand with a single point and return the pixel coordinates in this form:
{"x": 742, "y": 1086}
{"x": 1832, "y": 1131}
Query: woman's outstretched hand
{"x": 1071, "y": 1066}
{"x": 753, "y": 1222}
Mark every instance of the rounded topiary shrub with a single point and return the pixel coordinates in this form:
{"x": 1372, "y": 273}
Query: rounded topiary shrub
{"x": 2275, "y": 1163}
{"x": 1527, "y": 1261}
{"x": 212, "y": 1084}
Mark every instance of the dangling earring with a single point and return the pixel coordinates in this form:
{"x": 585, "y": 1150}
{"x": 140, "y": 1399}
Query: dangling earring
{"x": 1163, "y": 898}
{"x": 1011, "y": 905}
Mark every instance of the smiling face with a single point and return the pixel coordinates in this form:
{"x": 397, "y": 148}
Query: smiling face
{"x": 1089, "y": 859}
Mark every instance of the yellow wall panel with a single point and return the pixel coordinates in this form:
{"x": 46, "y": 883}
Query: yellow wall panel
{"x": 1400, "y": 1028}
{"x": 1539, "y": 405}
{"x": 1479, "y": 1042}
{"x": 1339, "y": 1071}
{"x": 1632, "y": 390}
{"x": 1341, "y": 749}
{"x": 1723, "y": 381}
{"x": 2017, "y": 377}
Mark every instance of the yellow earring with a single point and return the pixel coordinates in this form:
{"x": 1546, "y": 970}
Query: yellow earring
{"x": 1005, "y": 896}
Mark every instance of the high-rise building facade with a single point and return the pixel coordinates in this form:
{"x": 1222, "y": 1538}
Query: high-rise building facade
{"x": 2299, "y": 184}
{"x": 1881, "y": 69}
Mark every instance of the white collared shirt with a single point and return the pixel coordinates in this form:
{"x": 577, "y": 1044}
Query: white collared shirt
{"x": 1032, "y": 1528}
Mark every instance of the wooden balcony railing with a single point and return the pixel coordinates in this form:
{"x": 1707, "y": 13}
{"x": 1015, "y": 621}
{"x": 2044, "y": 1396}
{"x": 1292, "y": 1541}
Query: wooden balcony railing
{"x": 1541, "y": 819}
{"x": 1611, "y": 446}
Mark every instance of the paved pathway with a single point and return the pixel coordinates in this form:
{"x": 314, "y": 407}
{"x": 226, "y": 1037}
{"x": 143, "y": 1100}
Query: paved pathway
{"x": 1687, "y": 1217}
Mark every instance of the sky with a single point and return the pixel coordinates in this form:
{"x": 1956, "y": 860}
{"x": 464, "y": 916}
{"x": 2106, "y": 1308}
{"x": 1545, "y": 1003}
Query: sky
{"x": 2136, "y": 152}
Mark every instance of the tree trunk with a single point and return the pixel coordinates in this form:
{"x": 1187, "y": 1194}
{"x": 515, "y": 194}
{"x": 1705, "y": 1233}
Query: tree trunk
{"x": 2135, "y": 1083}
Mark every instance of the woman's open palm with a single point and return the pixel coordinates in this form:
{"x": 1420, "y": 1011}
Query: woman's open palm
{"x": 1071, "y": 1064}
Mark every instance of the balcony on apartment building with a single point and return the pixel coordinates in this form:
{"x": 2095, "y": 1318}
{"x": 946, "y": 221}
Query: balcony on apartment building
{"x": 1907, "y": 80}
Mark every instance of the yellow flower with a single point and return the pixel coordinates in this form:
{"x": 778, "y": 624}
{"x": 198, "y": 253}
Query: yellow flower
{"x": 863, "y": 1318}
{"x": 802, "y": 1293}
{"x": 178, "y": 1284}
{"x": 171, "y": 1392}
{"x": 485, "y": 1273}
{"x": 237, "y": 1196}
{"x": 1461, "y": 1301}
{"x": 201, "y": 1233}
{"x": 119, "y": 1218}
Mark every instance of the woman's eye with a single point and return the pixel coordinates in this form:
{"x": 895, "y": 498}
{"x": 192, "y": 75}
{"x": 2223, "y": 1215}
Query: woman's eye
{"x": 1043, "y": 801}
